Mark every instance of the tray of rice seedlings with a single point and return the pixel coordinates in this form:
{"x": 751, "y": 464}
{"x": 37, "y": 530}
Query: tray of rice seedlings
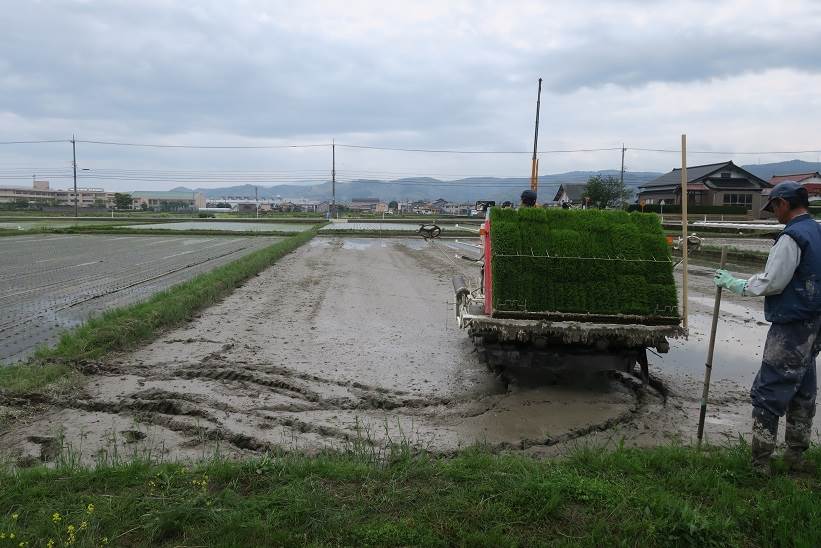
{"x": 587, "y": 265}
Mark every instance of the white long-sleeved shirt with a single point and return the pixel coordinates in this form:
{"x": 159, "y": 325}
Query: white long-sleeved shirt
{"x": 780, "y": 269}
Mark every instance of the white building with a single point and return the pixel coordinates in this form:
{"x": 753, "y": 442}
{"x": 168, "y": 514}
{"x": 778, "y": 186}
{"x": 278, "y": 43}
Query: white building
{"x": 41, "y": 193}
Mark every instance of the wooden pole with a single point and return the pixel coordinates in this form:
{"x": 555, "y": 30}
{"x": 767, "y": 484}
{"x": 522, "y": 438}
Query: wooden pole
{"x": 708, "y": 365}
{"x": 684, "y": 199}
{"x": 74, "y": 166}
{"x": 534, "y": 167}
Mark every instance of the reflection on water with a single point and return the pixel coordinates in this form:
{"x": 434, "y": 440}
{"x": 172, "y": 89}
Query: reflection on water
{"x": 357, "y": 244}
{"x": 737, "y": 354}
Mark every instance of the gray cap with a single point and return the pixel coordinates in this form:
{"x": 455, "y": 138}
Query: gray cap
{"x": 529, "y": 197}
{"x": 785, "y": 190}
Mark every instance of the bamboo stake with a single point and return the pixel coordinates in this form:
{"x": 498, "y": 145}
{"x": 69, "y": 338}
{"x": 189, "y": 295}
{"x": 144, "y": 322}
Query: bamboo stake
{"x": 708, "y": 365}
{"x": 684, "y": 254}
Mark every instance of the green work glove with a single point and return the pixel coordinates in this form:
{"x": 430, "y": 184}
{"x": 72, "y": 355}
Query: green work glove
{"x": 727, "y": 281}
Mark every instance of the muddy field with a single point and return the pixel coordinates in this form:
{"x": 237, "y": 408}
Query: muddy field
{"x": 51, "y": 283}
{"x": 229, "y": 226}
{"x": 354, "y": 342}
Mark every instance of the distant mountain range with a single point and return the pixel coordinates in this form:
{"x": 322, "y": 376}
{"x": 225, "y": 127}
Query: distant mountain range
{"x": 766, "y": 171}
{"x": 462, "y": 190}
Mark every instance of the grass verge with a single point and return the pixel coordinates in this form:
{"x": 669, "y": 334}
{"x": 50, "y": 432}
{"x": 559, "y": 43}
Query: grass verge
{"x": 127, "y": 327}
{"x": 666, "y": 496}
{"x": 135, "y": 231}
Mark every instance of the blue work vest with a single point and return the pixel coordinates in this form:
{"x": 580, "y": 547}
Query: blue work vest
{"x": 801, "y": 299}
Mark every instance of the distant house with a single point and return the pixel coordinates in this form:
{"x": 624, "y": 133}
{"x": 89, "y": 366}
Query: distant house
{"x": 170, "y": 200}
{"x": 452, "y": 208}
{"x": 722, "y": 184}
{"x": 439, "y": 206}
{"x": 364, "y": 204}
{"x": 571, "y": 193}
{"x": 803, "y": 178}
{"x": 810, "y": 181}
{"x": 247, "y": 207}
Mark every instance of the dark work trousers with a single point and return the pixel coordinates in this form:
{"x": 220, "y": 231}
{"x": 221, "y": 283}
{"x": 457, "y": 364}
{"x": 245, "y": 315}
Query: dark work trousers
{"x": 786, "y": 384}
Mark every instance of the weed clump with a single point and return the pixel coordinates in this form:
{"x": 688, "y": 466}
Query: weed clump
{"x": 581, "y": 262}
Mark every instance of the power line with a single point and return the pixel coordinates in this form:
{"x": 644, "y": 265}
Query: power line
{"x": 406, "y": 149}
{"x": 35, "y": 142}
{"x": 725, "y": 152}
{"x": 455, "y": 151}
{"x": 156, "y": 145}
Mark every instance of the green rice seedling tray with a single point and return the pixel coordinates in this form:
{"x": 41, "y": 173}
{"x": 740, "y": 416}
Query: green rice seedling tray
{"x": 577, "y": 264}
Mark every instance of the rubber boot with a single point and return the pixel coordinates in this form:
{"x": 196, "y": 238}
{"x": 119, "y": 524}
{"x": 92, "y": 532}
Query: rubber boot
{"x": 797, "y": 437}
{"x": 765, "y": 430}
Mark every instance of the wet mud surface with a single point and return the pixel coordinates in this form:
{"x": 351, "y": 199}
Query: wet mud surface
{"x": 353, "y": 342}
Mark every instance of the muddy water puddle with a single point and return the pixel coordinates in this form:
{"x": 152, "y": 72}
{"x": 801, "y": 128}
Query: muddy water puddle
{"x": 352, "y": 341}
{"x": 737, "y": 354}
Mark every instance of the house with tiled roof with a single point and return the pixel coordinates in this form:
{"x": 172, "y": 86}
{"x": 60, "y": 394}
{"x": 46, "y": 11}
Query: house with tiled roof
{"x": 721, "y": 184}
{"x": 810, "y": 181}
{"x": 571, "y": 193}
{"x": 803, "y": 178}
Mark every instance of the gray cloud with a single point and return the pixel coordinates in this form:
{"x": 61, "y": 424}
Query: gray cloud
{"x": 458, "y": 75}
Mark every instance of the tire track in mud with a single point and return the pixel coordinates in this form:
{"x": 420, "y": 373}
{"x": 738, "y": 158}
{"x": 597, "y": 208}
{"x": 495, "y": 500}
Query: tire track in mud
{"x": 175, "y": 411}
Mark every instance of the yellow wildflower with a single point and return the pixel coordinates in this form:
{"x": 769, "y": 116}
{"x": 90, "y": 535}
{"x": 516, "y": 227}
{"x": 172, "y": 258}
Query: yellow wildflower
{"x": 11, "y": 535}
{"x": 83, "y": 524}
{"x": 50, "y": 543}
{"x": 15, "y": 516}
{"x": 71, "y": 529}
{"x": 90, "y": 509}
{"x": 56, "y": 517}
{"x": 104, "y": 540}
{"x": 2, "y": 535}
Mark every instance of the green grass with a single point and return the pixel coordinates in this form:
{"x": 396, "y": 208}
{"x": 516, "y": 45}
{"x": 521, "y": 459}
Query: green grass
{"x": 128, "y": 327}
{"x": 134, "y": 229}
{"x": 167, "y": 231}
{"x": 23, "y": 379}
{"x": 667, "y": 496}
{"x": 598, "y": 262}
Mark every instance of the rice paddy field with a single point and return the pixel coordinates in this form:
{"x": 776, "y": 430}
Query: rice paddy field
{"x": 229, "y": 226}
{"x": 45, "y": 224}
{"x": 50, "y": 283}
{"x": 360, "y": 226}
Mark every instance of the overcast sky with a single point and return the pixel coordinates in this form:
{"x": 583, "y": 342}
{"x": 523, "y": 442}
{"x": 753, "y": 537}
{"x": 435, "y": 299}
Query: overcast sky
{"x": 734, "y": 76}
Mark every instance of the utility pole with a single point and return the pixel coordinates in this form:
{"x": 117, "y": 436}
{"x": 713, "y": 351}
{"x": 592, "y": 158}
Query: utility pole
{"x": 684, "y": 252}
{"x": 621, "y": 179}
{"x": 256, "y": 198}
{"x": 74, "y": 165}
{"x": 534, "y": 168}
{"x": 333, "y": 178}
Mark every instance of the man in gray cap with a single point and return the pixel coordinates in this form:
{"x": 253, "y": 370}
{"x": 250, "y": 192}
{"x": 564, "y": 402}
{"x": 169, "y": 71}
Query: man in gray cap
{"x": 791, "y": 287}
{"x": 528, "y": 198}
